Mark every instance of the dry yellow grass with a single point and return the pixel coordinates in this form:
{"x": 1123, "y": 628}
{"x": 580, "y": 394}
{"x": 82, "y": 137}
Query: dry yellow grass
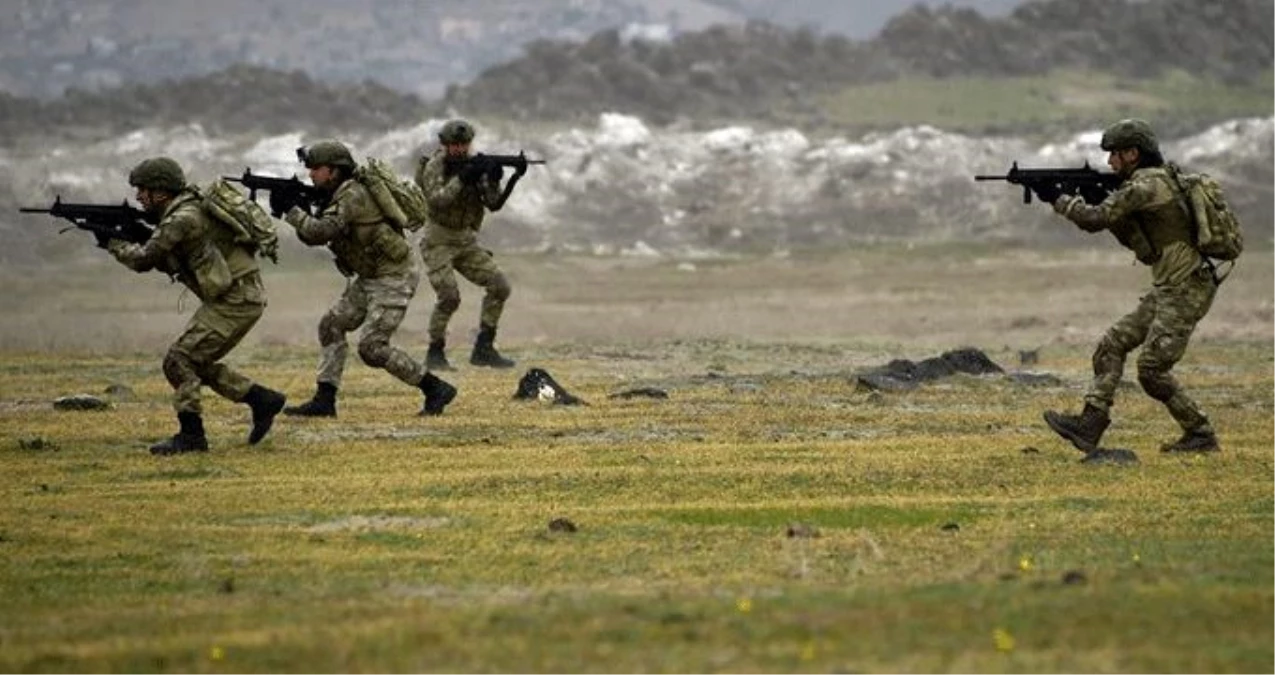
{"x": 929, "y": 537}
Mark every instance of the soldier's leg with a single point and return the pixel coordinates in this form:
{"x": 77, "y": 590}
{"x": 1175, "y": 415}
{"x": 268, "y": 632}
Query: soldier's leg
{"x": 344, "y": 316}
{"x": 1178, "y": 310}
{"x": 388, "y": 300}
{"x": 1085, "y": 429}
{"x": 478, "y": 266}
{"x": 186, "y": 359}
{"x": 1114, "y": 347}
{"x": 442, "y": 277}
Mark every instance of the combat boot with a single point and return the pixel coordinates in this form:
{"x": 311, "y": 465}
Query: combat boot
{"x": 437, "y": 394}
{"x": 485, "y": 353}
{"x": 322, "y": 405}
{"x": 1194, "y": 441}
{"x": 1083, "y": 430}
{"x": 436, "y": 357}
{"x": 190, "y": 438}
{"x": 265, "y": 404}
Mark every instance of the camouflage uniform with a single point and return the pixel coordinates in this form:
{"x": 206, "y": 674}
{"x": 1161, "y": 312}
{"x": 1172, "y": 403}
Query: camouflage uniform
{"x": 1147, "y": 209}
{"x": 204, "y": 256}
{"x": 382, "y": 280}
{"x": 223, "y": 275}
{"x": 450, "y": 244}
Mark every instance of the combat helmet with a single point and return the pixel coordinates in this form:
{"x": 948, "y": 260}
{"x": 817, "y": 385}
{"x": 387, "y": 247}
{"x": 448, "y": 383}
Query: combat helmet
{"x": 456, "y": 131}
{"x": 1130, "y": 133}
{"x": 158, "y": 173}
{"x": 326, "y": 153}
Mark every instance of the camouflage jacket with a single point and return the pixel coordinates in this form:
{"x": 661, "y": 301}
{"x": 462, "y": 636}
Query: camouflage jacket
{"x": 456, "y": 210}
{"x": 357, "y": 232}
{"x": 1147, "y": 214}
{"x": 189, "y": 245}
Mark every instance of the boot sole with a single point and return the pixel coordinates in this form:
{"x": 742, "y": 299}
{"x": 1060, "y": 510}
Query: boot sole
{"x": 1080, "y": 443}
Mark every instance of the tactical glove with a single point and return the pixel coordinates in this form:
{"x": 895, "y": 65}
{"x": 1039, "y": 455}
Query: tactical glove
{"x": 281, "y": 202}
{"x": 520, "y": 167}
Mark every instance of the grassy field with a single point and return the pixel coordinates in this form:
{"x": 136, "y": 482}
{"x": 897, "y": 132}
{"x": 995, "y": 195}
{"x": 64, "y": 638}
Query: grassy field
{"x": 770, "y": 515}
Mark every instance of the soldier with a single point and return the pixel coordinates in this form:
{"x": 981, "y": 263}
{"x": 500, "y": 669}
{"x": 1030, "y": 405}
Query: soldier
{"x": 1147, "y": 214}
{"x": 382, "y": 279}
{"x": 202, "y": 255}
{"x": 458, "y": 199}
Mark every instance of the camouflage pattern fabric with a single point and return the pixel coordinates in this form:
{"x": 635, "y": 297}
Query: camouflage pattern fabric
{"x": 456, "y": 210}
{"x": 1149, "y": 201}
{"x": 216, "y": 328}
{"x": 224, "y": 275}
{"x": 378, "y": 305}
{"x": 1162, "y": 324}
{"x": 353, "y": 227}
{"x": 476, "y": 264}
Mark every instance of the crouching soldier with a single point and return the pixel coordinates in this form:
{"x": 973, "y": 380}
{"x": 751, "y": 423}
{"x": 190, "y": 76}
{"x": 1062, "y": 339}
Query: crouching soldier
{"x": 204, "y": 256}
{"x": 382, "y": 278}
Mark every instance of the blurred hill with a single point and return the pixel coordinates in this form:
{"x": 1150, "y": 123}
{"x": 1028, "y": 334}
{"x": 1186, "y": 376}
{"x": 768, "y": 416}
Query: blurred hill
{"x": 414, "y": 46}
{"x": 1054, "y": 65}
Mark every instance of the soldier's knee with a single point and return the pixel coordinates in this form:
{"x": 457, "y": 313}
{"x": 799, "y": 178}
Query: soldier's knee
{"x": 1156, "y": 383}
{"x": 331, "y": 328}
{"x": 375, "y": 352}
{"x": 448, "y": 299}
{"x": 499, "y": 288}
{"x": 175, "y": 367}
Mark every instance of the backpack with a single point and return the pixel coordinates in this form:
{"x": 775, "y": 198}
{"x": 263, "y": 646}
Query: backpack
{"x": 250, "y": 224}
{"x": 402, "y": 201}
{"x": 1217, "y": 230}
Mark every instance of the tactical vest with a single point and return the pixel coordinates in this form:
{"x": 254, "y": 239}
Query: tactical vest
{"x": 209, "y": 260}
{"x": 369, "y": 246}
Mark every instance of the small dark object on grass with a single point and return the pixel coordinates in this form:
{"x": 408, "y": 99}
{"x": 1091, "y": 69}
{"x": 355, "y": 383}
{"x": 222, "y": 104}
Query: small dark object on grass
{"x": 562, "y": 525}
{"x": 1110, "y": 456}
{"x": 950, "y": 527}
{"x": 641, "y": 392}
{"x": 1073, "y": 577}
{"x": 801, "y": 531}
{"x": 81, "y": 402}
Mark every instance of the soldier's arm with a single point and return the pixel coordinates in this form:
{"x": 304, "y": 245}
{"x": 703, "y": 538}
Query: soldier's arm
{"x": 1113, "y": 211}
{"x": 440, "y": 190}
{"x": 331, "y": 222}
{"x": 152, "y": 254}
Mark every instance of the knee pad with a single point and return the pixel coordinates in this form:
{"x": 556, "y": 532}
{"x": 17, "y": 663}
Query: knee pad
{"x": 448, "y": 299}
{"x": 499, "y": 288}
{"x": 375, "y": 353}
{"x": 1158, "y": 385}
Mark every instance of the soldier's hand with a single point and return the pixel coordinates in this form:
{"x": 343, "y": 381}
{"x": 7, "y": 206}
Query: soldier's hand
{"x": 1047, "y": 192}
{"x": 520, "y": 166}
{"x": 281, "y": 202}
{"x": 495, "y": 172}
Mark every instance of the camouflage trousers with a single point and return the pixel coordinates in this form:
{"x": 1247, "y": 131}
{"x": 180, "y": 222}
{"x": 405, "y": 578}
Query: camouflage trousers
{"x": 1162, "y": 324}
{"x": 378, "y": 305}
{"x": 215, "y": 329}
{"x": 475, "y": 264}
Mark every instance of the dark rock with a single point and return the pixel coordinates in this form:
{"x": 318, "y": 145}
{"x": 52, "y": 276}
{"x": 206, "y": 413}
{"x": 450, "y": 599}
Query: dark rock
{"x": 1110, "y": 456}
{"x": 1030, "y": 450}
{"x": 562, "y": 525}
{"x": 640, "y": 392}
{"x": 801, "y": 531}
{"x": 1073, "y": 578}
{"x": 81, "y": 402}
{"x": 950, "y": 527}
{"x": 36, "y": 443}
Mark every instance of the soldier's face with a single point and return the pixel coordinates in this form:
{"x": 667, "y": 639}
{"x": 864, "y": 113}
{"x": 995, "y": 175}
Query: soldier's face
{"x": 1123, "y": 162}
{"x": 323, "y": 177}
{"x": 151, "y": 200}
{"x": 456, "y": 149}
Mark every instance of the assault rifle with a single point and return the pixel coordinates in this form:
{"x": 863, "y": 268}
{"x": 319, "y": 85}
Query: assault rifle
{"x": 470, "y": 168}
{"x": 105, "y": 221}
{"x": 292, "y": 188}
{"x": 1092, "y": 185}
